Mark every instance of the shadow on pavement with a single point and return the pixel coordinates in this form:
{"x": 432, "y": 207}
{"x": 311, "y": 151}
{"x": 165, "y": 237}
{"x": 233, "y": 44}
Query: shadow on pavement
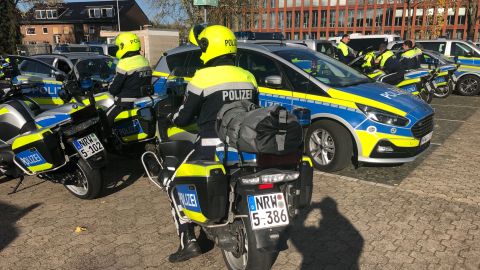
{"x": 335, "y": 243}
{"x": 121, "y": 172}
{"x": 9, "y": 215}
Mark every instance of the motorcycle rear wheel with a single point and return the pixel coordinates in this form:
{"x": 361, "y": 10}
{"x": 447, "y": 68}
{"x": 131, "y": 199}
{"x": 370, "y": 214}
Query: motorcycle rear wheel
{"x": 247, "y": 256}
{"x": 88, "y": 183}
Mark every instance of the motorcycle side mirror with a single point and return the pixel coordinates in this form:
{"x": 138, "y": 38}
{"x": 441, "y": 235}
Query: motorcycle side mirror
{"x": 64, "y": 95}
{"x": 86, "y": 84}
{"x": 59, "y": 76}
{"x": 274, "y": 81}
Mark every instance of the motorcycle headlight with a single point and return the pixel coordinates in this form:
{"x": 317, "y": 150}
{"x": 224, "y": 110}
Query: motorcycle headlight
{"x": 382, "y": 116}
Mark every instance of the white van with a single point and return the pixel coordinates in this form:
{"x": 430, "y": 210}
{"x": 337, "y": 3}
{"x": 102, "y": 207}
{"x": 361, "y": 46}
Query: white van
{"x": 360, "y": 42}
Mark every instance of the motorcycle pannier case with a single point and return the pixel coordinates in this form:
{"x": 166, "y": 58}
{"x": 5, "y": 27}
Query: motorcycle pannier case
{"x": 202, "y": 191}
{"x": 39, "y": 151}
{"x": 135, "y": 125}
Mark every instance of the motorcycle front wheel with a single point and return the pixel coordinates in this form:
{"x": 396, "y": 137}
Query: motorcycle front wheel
{"x": 426, "y": 95}
{"x": 86, "y": 183}
{"x": 443, "y": 91}
{"x": 246, "y": 255}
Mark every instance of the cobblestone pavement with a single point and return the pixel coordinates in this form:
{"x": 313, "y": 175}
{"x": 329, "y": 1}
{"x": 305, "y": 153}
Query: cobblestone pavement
{"x": 427, "y": 217}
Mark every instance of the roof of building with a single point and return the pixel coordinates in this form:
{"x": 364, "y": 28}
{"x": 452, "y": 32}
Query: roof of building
{"x": 72, "y": 12}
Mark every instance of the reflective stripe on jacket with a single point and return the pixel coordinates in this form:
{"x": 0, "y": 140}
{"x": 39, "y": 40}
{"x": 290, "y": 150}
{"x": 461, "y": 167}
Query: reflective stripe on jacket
{"x": 131, "y": 74}
{"x": 211, "y": 88}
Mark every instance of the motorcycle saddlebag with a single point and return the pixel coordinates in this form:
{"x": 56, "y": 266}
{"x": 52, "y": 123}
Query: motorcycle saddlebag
{"x": 135, "y": 125}
{"x": 305, "y": 183}
{"x": 39, "y": 150}
{"x": 201, "y": 188}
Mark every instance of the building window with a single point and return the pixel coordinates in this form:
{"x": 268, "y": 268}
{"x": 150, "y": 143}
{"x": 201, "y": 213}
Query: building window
{"x": 313, "y": 35}
{"x": 297, "y": 19}
{"x": 315, "y": 18}
{"x": 91, "y": 30}
{"x": 359, "y": 18}
{"x": 94, "y": 13}
{"x": 305, "y": 19}
{"x": 289, "y": 19}
{"x": 419, "y": 17}
{"x": 45, "y": 30}
{"x": 255, "y": 21}
{"x": 461, "y": 16}
{"x": 264, "y": 21}
{"x": 379, "y": 17}
{"x": 449, "y": 33}
{"x": 369, "y": 17}
{"x": 296, "y": 36}
{"x": 289, "y": 3}
{"x": 31, "y": 31}
{"x": 332, "y": 18}
{"x": 273, "y": 2}
{"x": 341, "y": 18}
{"x": 40, "y": 14}
{"x": 272, "y": 20}
{"x": 323, "y": 34}
{"x": 388, "y": 17}
{"x": 106, "y": 28}
{"x": 331, "y": 34}
{"x": 107, "y": 12}
{"x": 280, "y": 19}
{"x": 264, "y": 5}
{"x": 351, "y": 18}
{"x": 459, "y": 34}
{"x": 52, "y": 14}
{"x": 66, "y": 30}
{"x": 417, "y": 34}
{"x": 352, "y": 2}
{"x": 333, "y": 3}
{"x": 323, "y": 18}
{"x": 398, "y": 17}
{"x": 56, "y": 39}
{"x": 306, "y": 36}
{"x": 288, "y": 35}
{"x": 281, "y": 3}
{"x": 324, "y": 3}
{"x": 451, "y": 17}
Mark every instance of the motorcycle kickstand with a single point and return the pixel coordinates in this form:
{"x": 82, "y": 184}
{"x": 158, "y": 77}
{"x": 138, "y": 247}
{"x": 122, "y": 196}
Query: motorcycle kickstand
{"x": 18, "y": 185}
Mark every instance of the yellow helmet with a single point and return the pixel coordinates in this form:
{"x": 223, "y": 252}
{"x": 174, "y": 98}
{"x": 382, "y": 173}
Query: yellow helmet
{"x": 214, "y": 41}
{"x": 127, "y": 42}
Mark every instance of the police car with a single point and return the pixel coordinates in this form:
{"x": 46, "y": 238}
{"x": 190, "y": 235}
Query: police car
{"x": 353, "y": 117}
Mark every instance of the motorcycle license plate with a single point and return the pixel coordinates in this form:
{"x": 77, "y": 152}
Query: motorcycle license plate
{"x": 267, "y": 211}
{"x": 88, "y": 146}
{"x": 426, "y": 138}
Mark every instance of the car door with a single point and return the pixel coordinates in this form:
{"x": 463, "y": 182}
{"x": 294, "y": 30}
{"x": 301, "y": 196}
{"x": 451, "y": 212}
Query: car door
{"x": 266, "y": 71}
{"x": 41, "y": 76}
{"x": 467, "y": 57}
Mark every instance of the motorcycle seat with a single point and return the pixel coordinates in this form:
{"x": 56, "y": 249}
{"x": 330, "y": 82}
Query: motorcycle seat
{"x": 6, "y": 153}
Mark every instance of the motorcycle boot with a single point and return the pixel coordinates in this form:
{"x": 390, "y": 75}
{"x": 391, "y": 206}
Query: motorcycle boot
{"x": 188, "y": 248}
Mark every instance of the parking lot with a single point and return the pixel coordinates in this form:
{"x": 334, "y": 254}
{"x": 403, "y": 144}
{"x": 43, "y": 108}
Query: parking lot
{"x": 423, "y": 215}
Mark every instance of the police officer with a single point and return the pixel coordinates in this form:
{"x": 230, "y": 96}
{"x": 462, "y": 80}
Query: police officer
{"x": 132, "y": 73}
{"x": 409, "y": 57}
{"x": 387, "y": 61}
{"x": 345, "y": 53}
{"x": 219, "y": 82}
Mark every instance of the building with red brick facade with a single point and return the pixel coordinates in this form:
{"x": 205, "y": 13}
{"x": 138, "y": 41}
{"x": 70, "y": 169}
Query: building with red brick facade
{"x": 75, "y": 22}
{"x": 301, "y": 19}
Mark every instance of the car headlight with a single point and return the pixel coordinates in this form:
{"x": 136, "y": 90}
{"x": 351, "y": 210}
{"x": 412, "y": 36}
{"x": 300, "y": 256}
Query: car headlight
{"x": 382, "y": 116}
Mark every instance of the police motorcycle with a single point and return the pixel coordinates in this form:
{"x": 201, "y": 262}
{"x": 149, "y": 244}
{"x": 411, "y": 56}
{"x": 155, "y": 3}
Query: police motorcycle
{"x": 68, "y": 151}
{"x": 418, "y": 82}
{"x": 243, "y": 202}
{"x": 131, "y": 126}
{"x": 444, "y": 82}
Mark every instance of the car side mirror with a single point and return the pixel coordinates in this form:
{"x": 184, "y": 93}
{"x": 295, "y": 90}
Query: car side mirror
{"x": 59, "y": 76}
{"x": 274, "y": 81}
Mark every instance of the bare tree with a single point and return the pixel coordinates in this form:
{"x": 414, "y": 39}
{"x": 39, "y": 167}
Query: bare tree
{"x": 472, "y": 18}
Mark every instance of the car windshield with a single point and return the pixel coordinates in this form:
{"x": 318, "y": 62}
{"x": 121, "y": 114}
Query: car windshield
{"x": 97, "y": 69}
{"x": 443, "y": 58}
{"x": 325, "y": 69}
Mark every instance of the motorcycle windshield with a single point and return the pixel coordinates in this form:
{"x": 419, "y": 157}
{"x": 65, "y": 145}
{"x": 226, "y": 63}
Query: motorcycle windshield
{"x": 99, "y": 69}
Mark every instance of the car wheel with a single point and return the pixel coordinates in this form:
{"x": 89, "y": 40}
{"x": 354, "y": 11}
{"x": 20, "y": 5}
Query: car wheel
{"x": 468, "y": 85}
{"x": 329, "y": 145}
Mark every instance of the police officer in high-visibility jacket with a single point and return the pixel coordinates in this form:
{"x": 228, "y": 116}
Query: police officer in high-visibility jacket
{"x": 219, "y": 82}
{"x": 132, "y": 73}
{"x": 387, "y": 61}
{"x": 409, "y": 58}
{"x": 345, "y": 53}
